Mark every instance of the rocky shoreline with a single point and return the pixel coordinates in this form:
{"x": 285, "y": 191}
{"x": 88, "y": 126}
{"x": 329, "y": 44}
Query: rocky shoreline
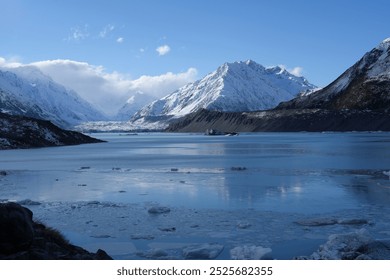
{"x": 21, "y": 238}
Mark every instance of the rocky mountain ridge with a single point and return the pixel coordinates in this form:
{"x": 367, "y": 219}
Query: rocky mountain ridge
{"x": 364, "y": 86}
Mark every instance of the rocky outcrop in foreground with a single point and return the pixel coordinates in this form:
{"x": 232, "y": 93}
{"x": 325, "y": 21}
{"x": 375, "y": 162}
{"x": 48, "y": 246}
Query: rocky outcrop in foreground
{"x": 21, "y": 238}
{"x": 17, "y": 132}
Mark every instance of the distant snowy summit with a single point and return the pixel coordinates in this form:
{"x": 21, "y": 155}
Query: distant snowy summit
{"x": 26, "y": 91}
{"x": 364, "y": 86}
{"x": 233, "y": 87}
{"x": 137, "y": 101}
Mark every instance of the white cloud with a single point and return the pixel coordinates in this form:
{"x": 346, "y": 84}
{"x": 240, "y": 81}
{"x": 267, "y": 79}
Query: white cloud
{"x": 297, "y": 71}
{"x": 120, "y": 40}
{"x": 109, "y": 91}
{"x": 161, "y": 85}
{"x": 11, "y": 62}
{"x": 163, "y": 50}
{"x": 78, "y": 33}
{"x": 106, "y": 30}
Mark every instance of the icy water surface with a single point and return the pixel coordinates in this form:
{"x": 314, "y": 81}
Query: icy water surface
{"x": 240, "y": 190}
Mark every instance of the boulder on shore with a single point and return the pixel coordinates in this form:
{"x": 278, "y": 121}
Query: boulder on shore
{"x": 23, "y": 239}
{"x": 16, "y": 228}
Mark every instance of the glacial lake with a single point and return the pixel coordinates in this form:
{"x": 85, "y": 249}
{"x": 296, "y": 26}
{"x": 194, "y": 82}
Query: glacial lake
{"x": 282, "y": 177}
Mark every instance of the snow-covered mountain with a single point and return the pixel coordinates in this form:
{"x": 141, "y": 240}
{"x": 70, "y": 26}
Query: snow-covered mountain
{"x": 364, "y": 86}
{"x": 133, "y": 104}
{"x": 233, "y": 87}
{"x": 27, "y": 91}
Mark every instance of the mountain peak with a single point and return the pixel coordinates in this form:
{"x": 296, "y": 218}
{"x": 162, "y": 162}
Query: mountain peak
{"x": 385, "y": 44}
{"x": 31, "y": 73}
{"x": 243, "y": 63}
{"x": 236, "y": 68}
{"x": 277, "y": 70}
{"x": 249, "y": 62}
{"x": 234, "y": 87}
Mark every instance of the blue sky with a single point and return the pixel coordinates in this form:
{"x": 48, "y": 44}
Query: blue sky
{"x": 319, "y": 39}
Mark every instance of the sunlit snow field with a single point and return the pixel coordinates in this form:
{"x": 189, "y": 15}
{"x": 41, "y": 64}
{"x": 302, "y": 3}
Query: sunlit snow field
{"x": 223, "y": 194}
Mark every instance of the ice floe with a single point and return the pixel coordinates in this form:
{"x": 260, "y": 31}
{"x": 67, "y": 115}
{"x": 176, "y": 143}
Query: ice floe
{"x": 250, "y": 253}
{"x": 202, "y": 252}
{"x": 159, "y": 210}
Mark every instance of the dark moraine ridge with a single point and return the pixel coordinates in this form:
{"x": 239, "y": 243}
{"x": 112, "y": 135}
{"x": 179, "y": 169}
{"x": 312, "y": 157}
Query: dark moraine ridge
{"x": 312, "y": 120}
